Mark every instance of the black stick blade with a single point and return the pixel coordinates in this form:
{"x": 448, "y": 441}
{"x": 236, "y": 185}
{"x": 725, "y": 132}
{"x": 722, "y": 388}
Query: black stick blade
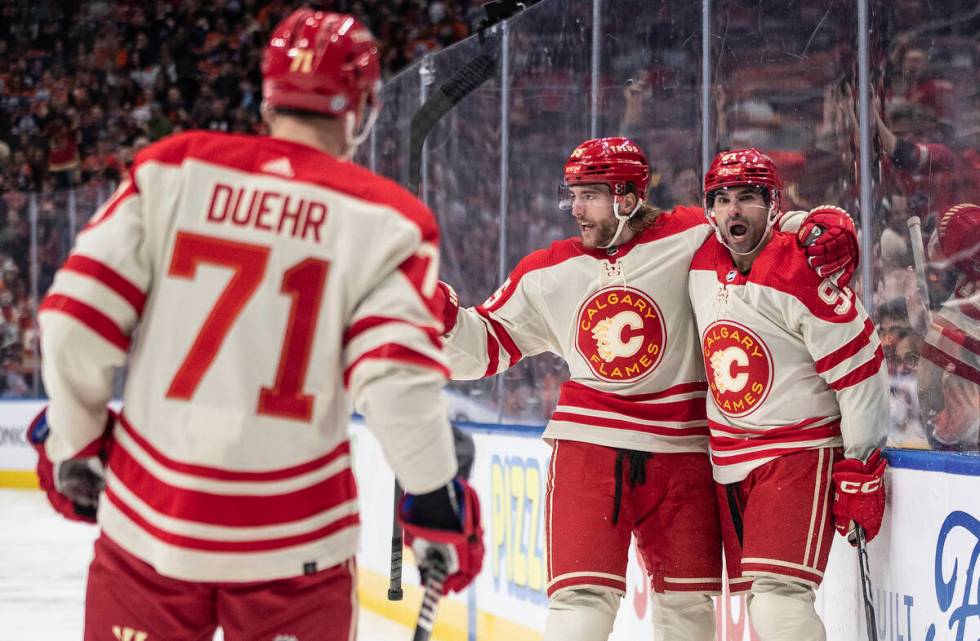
{"x": 468, "y": 77}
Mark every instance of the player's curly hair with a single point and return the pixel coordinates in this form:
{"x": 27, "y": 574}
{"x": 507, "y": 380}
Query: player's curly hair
{"x": 644, "y": 218}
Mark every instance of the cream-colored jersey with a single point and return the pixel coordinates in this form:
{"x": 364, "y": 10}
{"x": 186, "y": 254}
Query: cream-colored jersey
{"x": 623, "y": 323}
{"x": 257, "y": 286}
{"x": 792, "y": 362}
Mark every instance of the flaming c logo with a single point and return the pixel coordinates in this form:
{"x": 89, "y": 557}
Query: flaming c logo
{"x": 621, "y": 334}
{"x": 739, "y": 367}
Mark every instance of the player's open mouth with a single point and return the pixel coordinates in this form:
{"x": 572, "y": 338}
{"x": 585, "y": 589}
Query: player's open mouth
{"x": 585, "y": 226}
{"x": 738, "y": 230}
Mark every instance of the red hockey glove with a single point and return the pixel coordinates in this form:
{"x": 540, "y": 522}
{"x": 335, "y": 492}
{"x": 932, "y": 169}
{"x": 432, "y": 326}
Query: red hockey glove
{"x": 828, "y": 236}
{"x": 73, "y": 487}
{"x": 860, "y": 494}
{"x": 446, "y": 304}
{"x": 428, "y": 533}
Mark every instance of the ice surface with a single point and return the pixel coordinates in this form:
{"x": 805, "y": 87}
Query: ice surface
{"x": 43, "y": 562}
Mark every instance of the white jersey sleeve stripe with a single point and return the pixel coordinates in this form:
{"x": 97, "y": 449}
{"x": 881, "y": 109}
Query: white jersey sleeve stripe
{"x": 109, "y": 277}
{"x": 372, "y": 322}
{"x": 847, "y": 350}
{"x": 859, "y": 374}
{"x": 89, "y": 317}
{"x": 396, "y": 354}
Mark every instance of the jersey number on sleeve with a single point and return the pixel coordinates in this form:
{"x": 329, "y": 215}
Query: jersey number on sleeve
{"x": 303, "y": 283}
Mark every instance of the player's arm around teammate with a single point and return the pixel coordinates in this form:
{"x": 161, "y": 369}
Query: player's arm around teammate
{"x": 798, "y": 401}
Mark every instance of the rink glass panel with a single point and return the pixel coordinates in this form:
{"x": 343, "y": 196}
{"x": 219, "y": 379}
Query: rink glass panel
{"x": 549, "y": 114}
{"x": 924, "y": 70}
{"x": 783, "y": 77}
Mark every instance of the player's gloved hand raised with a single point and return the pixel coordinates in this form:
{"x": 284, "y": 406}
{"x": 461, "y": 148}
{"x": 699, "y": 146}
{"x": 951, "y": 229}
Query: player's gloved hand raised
{"x": 73, "y": 487}
{"x": 443, "y": 528}
{"x": 446, "y": 304}
{"x": 830, "y": 241}
{"x": 860, "y": 494}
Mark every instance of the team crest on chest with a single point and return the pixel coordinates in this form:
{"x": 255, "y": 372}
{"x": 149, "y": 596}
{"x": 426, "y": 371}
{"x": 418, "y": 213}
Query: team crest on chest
{"x": 739, "y": 367}
{"x": 620, "y": 334}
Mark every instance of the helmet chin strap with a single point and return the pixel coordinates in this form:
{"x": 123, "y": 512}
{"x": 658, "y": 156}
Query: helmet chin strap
{"x": 354, "y": 140}
{"x": 623, "y": 219}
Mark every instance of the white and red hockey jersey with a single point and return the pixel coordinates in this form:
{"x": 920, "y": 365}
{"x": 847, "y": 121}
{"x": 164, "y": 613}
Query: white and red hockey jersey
{"x": 622, "y": 322}
{"x": 257, "y": 284}
{"x": 953, "y": 343}
{"x": 792, "y": 362}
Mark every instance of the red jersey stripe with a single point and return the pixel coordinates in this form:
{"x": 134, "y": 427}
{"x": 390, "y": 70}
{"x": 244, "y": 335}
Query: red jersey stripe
{"x": 513, "y": 351}
{"x": 589, "y": 395}
{"x": 395, "y": 352}
{"x": 722, "y": 461}
{"x": 210, "y": 545}
{"x": 108, "y": 277}
{"x": 230, "y": 510}
{"x": 692, "y": 409}
{"x": 730, "y": 429}
{"x": 370, "y": 322}
{"x": 769, "y": 439}
{"x": 595, "y": 421}
{"x": 220, "y": 474}
{"x": 493, "y": 355}
{"x": 847, "y": 350}
{"x": 88, "y": 316}
{"x": 944, "y": 360}
{"x": 869, "y": 369}
{"x": 956, "y": 335}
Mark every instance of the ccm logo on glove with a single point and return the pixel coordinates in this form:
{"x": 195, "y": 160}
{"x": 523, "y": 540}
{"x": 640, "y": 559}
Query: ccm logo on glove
{"x": 853, "y": 487}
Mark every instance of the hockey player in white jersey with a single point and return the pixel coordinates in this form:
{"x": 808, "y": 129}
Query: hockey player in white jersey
{"x": 257, "y": 284}
{"x": 949, "y": 370}
{"x": 798, "y": 399}
{"x": 629, "y": 434}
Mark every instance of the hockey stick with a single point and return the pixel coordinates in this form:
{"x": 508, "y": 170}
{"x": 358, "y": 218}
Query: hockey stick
{"x": 434, "y": 579}
{"x": 869, "y": 606}
{"x": 395, "y": 573}
{"x": 462, "y": 83}
{"x": 919, "y": 257}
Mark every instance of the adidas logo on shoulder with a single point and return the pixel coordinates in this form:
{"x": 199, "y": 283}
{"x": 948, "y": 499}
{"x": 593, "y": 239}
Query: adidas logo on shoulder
{"x": 279, "y": 166}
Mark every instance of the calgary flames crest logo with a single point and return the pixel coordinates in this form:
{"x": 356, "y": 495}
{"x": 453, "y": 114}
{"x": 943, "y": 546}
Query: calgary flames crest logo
{"x": 739, "y": 367}
{"x": 621, "y": 334}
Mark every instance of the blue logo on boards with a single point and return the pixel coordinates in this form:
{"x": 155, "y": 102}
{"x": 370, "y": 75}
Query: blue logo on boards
{"x": 968, "y": 609}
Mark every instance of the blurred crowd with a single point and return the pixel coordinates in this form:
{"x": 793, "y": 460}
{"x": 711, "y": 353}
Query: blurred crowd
{"x": 83, "y": 85}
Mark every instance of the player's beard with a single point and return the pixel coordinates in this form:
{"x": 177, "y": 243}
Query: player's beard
{"x": 601, "y": 233}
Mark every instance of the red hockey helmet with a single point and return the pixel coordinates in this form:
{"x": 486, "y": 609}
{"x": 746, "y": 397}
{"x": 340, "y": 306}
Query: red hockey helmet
{"x": 615, "y": 162}
{"x": 959, "y": 238}
{"x": 743, "y": 167}
{"x": 321, "y": 62}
